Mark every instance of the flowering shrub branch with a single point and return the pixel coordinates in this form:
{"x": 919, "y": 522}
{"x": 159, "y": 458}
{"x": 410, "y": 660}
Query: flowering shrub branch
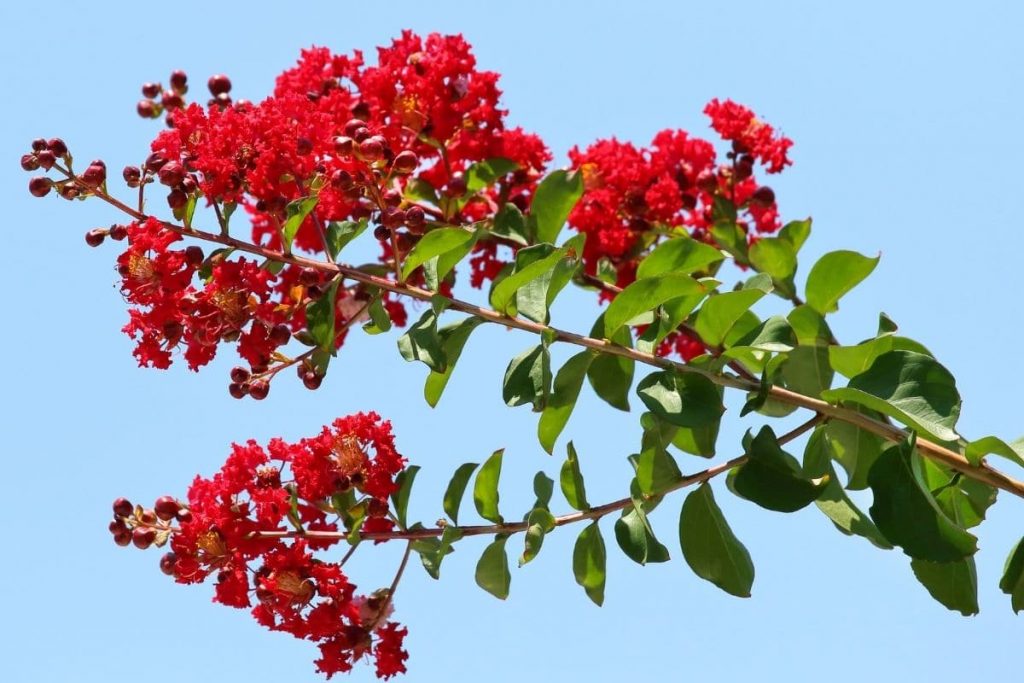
{"x": 417, "y": 147}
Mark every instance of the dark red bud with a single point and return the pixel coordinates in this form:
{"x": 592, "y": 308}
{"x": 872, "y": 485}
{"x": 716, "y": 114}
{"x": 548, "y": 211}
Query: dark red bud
{"x": 57, "y": 146}
{"x": 184, "y": 515}
{"x": 171, "y": 100}
{"x": 381, "y": 233}
{"x": 303, "y": 146}
{"x": 763, "y": 196}
{"x": 117, "y": 526}
{"x": 39, "y": 144}
{"x": 239, "y": 374}
{"x": 219, "y": 85}
{"x": 166, "y": 508}
{"x": 177, "y": 199}
{"x": 353, "y": 125}
{"x": 167, "y": 563}
{"x": 194, "y": 255}
{"x": 40, "y": 186}
{"x": 118, "y": 232}
{"x": 406, "y": 162}
{"x": 179, "y": 82}
{"x": 46, "y": 159}
{"x": 94, "y": 237}
{"x": 154, "y": 162}
{"x": 259, "y": 389}
{"x": 707, "y": 181}
{"x": 238, "y": 390}
{"x": 415, "y": 218}
{"x": 172, "y": 173}
{"x": 457, "y": 185}
{"x": 95, "y": 174}
{"x": 123, "y": 538}
{"x": 29, "y": 162}
{"x": 344, "y": 145}
{"x": 280, "y": 334}
{"x": 372, "y": 149}
{"x": 392, "y": 198}
{"x": 132, "y": 175}
{"x": 311, "y": 380}
{"x": 123, "y": 507}
{"x": 361, "y": 134}
{"x": 143, "y": 537}
{"x": 151, "y": 90}
{"x": 147, "y": 109}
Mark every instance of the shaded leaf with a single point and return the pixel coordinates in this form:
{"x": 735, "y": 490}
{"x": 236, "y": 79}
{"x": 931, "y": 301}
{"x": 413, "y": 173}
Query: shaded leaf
{"x": 772, "y": 478}
{"x": 571, "y": 480}
{"x": 400, "y": 498}
{"x": 453, "y": 339}
{"x": 456, "y": 489}
{"x": 485, "y": 488}
{"x": 588, "y": 562}
{"x": 953, "y": 584}
{"x": 565, "y": 391}
{"x": 492, "y": 573}
{"x": 528, "y": 378}
{"x": 1012, "y": 582}
{"x": 681, "y": 398}
{"x": 710, "y": 547}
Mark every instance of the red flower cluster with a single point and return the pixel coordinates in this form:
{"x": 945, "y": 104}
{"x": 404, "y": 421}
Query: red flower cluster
{"x": 415, "y": 142}
{"x": 341, "y": 478}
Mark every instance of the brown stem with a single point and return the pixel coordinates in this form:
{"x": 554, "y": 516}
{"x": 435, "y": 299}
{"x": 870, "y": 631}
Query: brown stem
{"x": 982, "y": 472}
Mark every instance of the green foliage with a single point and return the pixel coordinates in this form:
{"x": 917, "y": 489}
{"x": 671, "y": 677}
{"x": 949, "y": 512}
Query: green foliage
{"x": 564, "y": 393}
{"x": 421, "y": 342}
{"x": 679, "y": 255}
{"x": 835, "y": 274}
{"x": 555, "y": 197}
{"x": 1012, "y": 582}
{"x": 340, "y": 233}
{"x": 684, "y": 399}
{"x": 492, "y": 573}
{"x": 910, "y": 387}
{"x": 906, "y": 512}
{"x": 400, "y": 498}
{"x": 447, "y": 245}
{"x": 453, "y": 338}
{"x": 710, "y": 547}
{"x": 571, "y": 480}
{"x": 528, "y": 378}
{"x": 954, "y": 584}
{"x": 773, "y": 478}
{"x": 645, "y": 295}
{"x": 295, "y": 213}
{"x": 456, "y": 489}
{"x": 588, "y": 562}
{"x": 320, "y": 318}
{"x": 611, "y": 376}
{"x": 485, "y": 488}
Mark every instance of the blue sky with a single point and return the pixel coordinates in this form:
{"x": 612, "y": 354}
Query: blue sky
{"x": 906, "y": 121}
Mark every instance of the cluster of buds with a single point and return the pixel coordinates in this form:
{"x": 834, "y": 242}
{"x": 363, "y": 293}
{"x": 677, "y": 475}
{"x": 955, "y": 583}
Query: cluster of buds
{"x": 156, "y": 100}
{"x": 146, "y": 527}
{"x": 47, "y": 155}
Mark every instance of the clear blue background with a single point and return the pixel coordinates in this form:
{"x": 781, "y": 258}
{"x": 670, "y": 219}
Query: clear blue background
{"x": 907, "y": 122}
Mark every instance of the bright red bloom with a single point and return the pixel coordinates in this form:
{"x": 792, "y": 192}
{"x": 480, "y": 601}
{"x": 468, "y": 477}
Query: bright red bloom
{"x": 737, "y": 123}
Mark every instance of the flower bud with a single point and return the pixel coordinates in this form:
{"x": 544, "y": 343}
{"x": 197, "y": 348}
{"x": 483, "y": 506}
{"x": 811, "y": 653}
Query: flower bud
{"x": 457, "y": 185}
{"x": 381, "y": 233}
{"x": 118, "y": 232}
{"x": 95, "y": 174}
{"x": 372, "y": 149}
{"x": 179, "y": 82}
{"x": 94, "y": 237}
{"x": 166, "y": 508}
{"x": 40, "y": 186}
{"x": 172, "y": 173}
{"x": 763, "y": 196}
{"x": 132, "y": 175}
{"x": 151, "y": 90}
{"x": 280, "y": 334}
{"x": 406, "y": 162}
{"x": 123, "y": 507}
{"x": 177, "y": 199}
{"x": 143, "y": 537}
{"x": 29, "y": 162}
{"x": 259, "y": 389}
{"x": 147, "y": 109}
{"x": 39, "y": 144}
{"x": 167, "y": 563}
{"x": 57, "y": 146}
{"x": 219, "y": 85}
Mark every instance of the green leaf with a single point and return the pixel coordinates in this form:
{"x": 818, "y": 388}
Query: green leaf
{"x": 954, "y": 584}
{"x": 456, "y": 489}
{"x": 485, "y": 173}
{"x": 678, "y": 255}
{"x": 588, "y": 562}
{"x": 636, "y": 538}
{"x": 853, "y": 360}
{"x": 554, "y": 199}
{"x": 835, "y": 274}
{"x": 419, "y": 190}
{"x": 503, "y": 295}
{"x": 978, "y": 449}
{"x": 776, "y": 257}
{"x": 810, "y": 326}
{"x": 295, "y": 213}
{"x": 1012, "y": 582}
{"x": 438, "y": 242}
{"x": 453, "y": 339}
{"x": 845, "y": 515}
{"x": 485, "y": 488}
{"x": 400, "y": 498}
{"x": 380, "y": 321}
{"x": 510, "y": 224}
{"x": 720, "y": 312}
{"x": 681, "y": 398}
{"x": 796, "y": 232}
{"x": 907, "y": 514}
{"x": 492, "y": 573}
{"x": 710, "y": 547}
{"x": 320, "y": 317}
{"x": 340, "y": 233}
{"x": 645, "y": 295}
{"x": 657, "y": 471}
{"x": 854, "y": 448}
{"x": 421, "y": 342}
{"x": 910, "y": 387}
{"x": 564, "y": 393}
{"x": 807, "y": 371}
{"x": 772, "y": 478}
{"x": 528, "y": 378}
{"x": 774, "y": 335}
{"x": 609, "y": 375}
{"x": 432, "y": 551}
{"x": 535, "y": 297}
{"x": 571, "y": 480}
{"x": 543, "y": 487}
{"x": 539, "y": 522}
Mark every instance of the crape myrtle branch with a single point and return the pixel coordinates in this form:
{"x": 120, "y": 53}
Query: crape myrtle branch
{"x": 934, "y": 451}
{"x": 593, "y": 513}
